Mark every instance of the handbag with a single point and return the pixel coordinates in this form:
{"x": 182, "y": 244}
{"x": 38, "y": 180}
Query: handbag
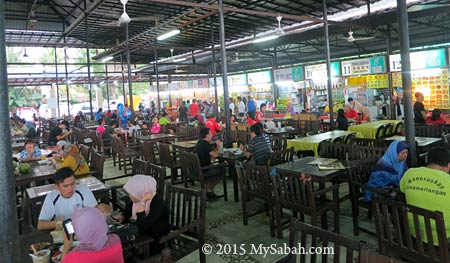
{"x": 126, "y": 232}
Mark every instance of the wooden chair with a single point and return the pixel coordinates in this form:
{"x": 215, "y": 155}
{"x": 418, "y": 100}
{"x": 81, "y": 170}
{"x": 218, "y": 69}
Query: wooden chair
{"x": 187, "y": 218}
{"x": 124, "y": 154}
{"x": 148, "y": 151}
{"x": 282, "y": 156}
{"x": 358, "y": 175}
{"x": 398, "y": 128}
{"x": 159, "y": 173}
{"x": 278, "y": 143}
{"x": 85, "y": 152}
{"x": 366, "y": 152}
{"x": 139, "y": 166}
{"x": 254, "y": 183}
{"x": 397, "y": 222}
{"x": 95, "y": 141}
{"x": 428, "y": 130}
{"x": 193, "y": 172}
{"x": 344, "y": 248}
{"x": 170, "y": 161}
{"x": 97, "y": 164}
{"x": 370, "y": 142}
{"x": 381, "y": 132}
{"x": 242, "y": 136}
{"x": 297, "y": 194}
{"x": 338, "y": 151}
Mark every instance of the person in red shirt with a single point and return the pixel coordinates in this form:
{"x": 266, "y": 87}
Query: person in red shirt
{"x": 435, "y": 118}
{"x": 350, "y": 113}
{"x": 260, "y": 114}
{"x": 213, "y": 126}
{"x": 194, "y": 110}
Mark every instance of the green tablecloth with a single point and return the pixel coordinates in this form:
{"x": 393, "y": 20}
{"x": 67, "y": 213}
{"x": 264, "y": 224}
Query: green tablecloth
{"x": 369, "y": 130}
{"x": 311, "y": 143}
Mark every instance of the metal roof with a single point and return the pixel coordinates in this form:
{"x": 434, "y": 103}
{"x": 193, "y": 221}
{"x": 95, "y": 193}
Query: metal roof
{"x": 79, "y": 23}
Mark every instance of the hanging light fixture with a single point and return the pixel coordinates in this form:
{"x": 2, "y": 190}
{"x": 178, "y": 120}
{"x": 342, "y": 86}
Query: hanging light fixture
{"x": 168, "y": 34}
{"x": 25, "y": 55}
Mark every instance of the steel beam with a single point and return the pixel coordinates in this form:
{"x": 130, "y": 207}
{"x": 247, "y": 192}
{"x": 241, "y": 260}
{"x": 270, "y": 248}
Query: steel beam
{"x": 328, "y": 61}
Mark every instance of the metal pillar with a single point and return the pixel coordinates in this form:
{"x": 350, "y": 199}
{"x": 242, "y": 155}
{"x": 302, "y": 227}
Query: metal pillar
{"x": 155, "y": 68}
{"x": 327, "y": 55}
{"x": 67, "y": 79}
{"x": 107, "y": 85}
{"x": 406, "y": 78}
{"x": 393, "y": 108}
{"x": 213, "y": 67}
{"x": 57, "y": 82}
{"x": 130, "y": 86}
{"x": 123, "y": 81}
{"x": 88, "y": 57}
{"x": 224, "y": 75}
{"x": 275, "y": 92}
{"x": 9, "y": 245}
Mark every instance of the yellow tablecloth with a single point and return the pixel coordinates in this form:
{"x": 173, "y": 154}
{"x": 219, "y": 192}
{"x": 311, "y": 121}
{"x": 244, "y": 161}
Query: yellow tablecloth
{"x": 311, "y": 143}
{"x": 369, "y": 130}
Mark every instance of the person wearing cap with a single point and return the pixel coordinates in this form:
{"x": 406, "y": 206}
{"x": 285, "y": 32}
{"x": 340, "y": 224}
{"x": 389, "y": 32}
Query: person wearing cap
{"x": 74, "y": 160}
{"x": 57, "y": 151}
{"x": 57, "y": 134}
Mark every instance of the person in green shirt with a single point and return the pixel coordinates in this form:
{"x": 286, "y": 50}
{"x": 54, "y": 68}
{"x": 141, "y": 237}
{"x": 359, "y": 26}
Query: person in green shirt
{"x": 164, "y": 120}
{"x": 429, "y": 188}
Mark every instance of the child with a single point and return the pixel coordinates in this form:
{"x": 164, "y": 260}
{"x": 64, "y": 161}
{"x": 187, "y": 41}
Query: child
{"x": 156, "y": 127}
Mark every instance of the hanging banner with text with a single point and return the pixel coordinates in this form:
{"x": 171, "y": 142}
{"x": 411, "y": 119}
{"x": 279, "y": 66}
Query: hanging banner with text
{"x": 420, "y": 60}
{"x": 319, "y": 71}
{"x": 364, "y": 66}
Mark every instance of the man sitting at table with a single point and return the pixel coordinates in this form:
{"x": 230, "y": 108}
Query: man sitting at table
{"x": 350, "y": 113}
{"x": 427, "y": 187}
{"x": 257, "y": 148}
{"x": 57, "y": 133}
{"x": 31, "y": 152}
{"x": 59, "y": 204}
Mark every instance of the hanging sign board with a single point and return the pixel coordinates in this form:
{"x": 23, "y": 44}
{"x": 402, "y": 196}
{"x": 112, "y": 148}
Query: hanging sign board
{"x": 259, "y": 77}
{"x": 173, "y": 86}
{"x": 319, "y": 71}
{"x": 378, "y": 81}
{"x": 297, "y": 73}
{"x": 237, "y": 80}
{"x": 420, "y": 60}
{"x": 202, "y": 83}
{"x": 356, "y": 81}
{"x": 219, "y": 81}
{"x": 284, "y": 74}
{"x": 363, "y": 66}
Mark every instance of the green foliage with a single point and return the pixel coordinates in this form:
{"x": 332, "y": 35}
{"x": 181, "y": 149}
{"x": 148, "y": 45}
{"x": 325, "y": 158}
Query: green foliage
{"x": 13, "y": 55}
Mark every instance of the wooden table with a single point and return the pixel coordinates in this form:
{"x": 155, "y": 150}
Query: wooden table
{"x": 187, "y": 146}
{"x": 231, "y": 159}
{"x": 279, "y": 131}
{"x": 311, "y": 143}
{"x": 157, "y": 137}
{"x": 369, "y": 130}
{"x": 37, "y": 173}
{"x": 421, "y": 141}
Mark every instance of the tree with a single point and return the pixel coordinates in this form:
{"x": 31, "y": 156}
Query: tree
{"x": 13, "y": 55}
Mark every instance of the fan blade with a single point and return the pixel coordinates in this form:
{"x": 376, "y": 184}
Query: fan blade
{"x": 145, "y": 18}
{"x": 363, "y": 38}
{"x": 114, "y": 23}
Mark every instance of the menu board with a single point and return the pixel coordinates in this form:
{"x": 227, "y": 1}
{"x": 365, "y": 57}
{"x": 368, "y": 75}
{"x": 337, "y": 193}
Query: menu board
{"x": 378, "y": 81}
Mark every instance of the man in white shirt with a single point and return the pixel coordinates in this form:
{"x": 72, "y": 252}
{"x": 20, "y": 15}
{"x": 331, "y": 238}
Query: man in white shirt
{"x": 241, "y": 107}
{"x": 231, "y": 106}
{"x": 60, "y": 203}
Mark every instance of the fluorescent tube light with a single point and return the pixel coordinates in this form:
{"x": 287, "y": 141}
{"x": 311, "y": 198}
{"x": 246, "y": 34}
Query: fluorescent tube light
{"x": 107, "y": 59}
{"x": 179, "y": 60}
{"x": 168, "y": 34}
{"x": 263, "y": 39}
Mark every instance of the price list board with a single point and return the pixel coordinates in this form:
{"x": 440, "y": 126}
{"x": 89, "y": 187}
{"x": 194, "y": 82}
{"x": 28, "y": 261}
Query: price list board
{"x": 435, "y": 88}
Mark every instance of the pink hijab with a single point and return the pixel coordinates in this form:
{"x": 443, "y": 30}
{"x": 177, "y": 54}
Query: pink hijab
{"x": 90, "y": 228}
{"x": 137, "y": 186}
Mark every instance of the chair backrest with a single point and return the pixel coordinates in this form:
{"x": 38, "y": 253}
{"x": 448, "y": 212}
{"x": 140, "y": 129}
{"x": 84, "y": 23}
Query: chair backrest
{"x": 278, "y": 143}
{"x": 428, "y": 130}
{"x": 370, "y": 142}
{"x": 165, "y": 155}
{"x": 358, "y": 175}
{"x": 94, "y": 138}
{"x": 139, "y": 166}
{"x": 389, "y": 130}
{"x": 159, "y": 173}
{"x": 366, "y": 152}
{"x": 148, "y": 150}
{"x": 254, "y": 180}
{"x": 335, "y": 247}
{"x": 242, "y": 136}
{"x": 191, "y": 168}
{"x": 85, "y": 151}
{"x": 338, "y": 151}
{"x": 281, "y": 156}
{"x": 397, "y": 222}
{"x": 293, "y": 192}
{"x": 381, "y": 132}
{"x": 117, "y": 145}
{"x": 98, "y": 163}
{"x": 187, "y": 214}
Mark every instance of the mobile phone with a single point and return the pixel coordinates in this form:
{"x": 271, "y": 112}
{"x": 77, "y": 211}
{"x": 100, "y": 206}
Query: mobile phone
{"x": 68, "y": 227}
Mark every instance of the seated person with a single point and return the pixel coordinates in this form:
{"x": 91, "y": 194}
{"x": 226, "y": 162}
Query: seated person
{"x": 57, "y": 133}
{"x": 156, "y": 127}
{"x": 133, "y": 127}
{"x": 29, "y": 129}
{"x": 341, "y": 120}
{"x": 31, "y": 152}
{"x": 213, "y": 126}
{"x": 101, "y": 127}
{"x": 109, "y": 131}
{"x": 147, "y": 209}
{"x": 74, "y": 160}
{"x": 257, "y": 149}
{"x": 164, "y": 120}
{"x": 260, "y": 114}
{"x": 59, "y": 204}
{"x": 264, "y": 135}
{"x": 207, "y": 154}
{"x": 350, "y": 113}
{"x": 57, "y": 151}
{"x": 233, "y": 119}
{"x": 95, "y": 244}
{"x": 426, "y": 187}
{"x": 389, "y": 169}
{"x": 435, "y": 118}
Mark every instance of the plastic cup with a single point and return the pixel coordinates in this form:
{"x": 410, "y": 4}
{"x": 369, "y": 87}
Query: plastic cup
{"x": 235, "y": 145}
{"x": 43, "y": 256}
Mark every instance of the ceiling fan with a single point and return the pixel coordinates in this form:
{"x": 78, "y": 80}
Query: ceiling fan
{"x": 125, "y": 18}
{"x": 236, "y": 59}
{"x": 279, "y": 31}
{"x": 351, "y": 38}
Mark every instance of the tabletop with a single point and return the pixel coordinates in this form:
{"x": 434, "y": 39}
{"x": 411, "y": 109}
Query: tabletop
{"x": 278, "y": 131}
{"x": 185, "y": 145}
{"x": 231, "y": 154}
{"x": 36, "y": 173}
{"x": 421, "y": 141}
{"x": 301, "y": 166}
{"x": 311, "y": 143}
{"x": 369, "y": 130}
{"x": 155, "y": 137}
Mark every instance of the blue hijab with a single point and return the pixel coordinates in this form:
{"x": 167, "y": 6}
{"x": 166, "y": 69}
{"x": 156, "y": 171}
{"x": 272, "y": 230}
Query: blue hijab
{"x": 389, "y": 162}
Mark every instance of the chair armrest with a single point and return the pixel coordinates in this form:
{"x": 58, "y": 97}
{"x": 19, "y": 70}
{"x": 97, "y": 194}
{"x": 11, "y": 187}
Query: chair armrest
{"x": 325, "y": 190}
{"x": 178, "y": 232}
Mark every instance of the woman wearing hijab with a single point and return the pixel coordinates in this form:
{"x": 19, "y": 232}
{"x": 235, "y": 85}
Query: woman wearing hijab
{"x": 147, "y": 209}
{"x": 389, "y": 169}
{"x": 95, "y": 244}
{"x": 74, "y": 160}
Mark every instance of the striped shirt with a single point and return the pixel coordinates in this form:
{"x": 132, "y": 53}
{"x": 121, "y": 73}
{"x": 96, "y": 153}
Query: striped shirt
{"x": 259, "y": 149}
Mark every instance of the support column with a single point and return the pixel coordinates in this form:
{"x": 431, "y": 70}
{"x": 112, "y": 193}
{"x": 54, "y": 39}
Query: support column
{"x": 88, "y": 57}
{"x": 67, "y": 79}
{"x": 57, "y": 83}
{"x": 328, "y": 61}
{"x": 9, "y": 245}
{"x": 155, "y": 69}
{"x": 406, "y": 78}
{"x": 130, "y": 85}
{"x": 213, "y": 66}
{"x": 123, "y": 81}
{"x": 392, "y": 107}
{"x": 224, "y": 75}
{"x": 107, "y": 85}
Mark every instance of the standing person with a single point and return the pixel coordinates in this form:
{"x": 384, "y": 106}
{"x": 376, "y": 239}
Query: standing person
{"x": 231, "y": 106}
{"x": 241, "y": 107}
{"x": 183, "y": 111}
{"x": 389, "y": 169}
{"x": 427, "y": 187}
{"x": 194, "y": 110}
{"x": 251, "y": 108}
{"x": 420, "y": 114}
{"x": 356, "y": 106}
{"x": 99, "y": 114}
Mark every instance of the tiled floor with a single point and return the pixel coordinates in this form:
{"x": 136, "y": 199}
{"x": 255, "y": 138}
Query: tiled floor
{"x": 226, "y": 230}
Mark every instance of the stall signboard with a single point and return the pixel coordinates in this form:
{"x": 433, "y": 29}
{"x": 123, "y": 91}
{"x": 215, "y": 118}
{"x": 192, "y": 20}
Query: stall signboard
{"x": 219, "y": 81}
{"x": 283, "y": 74}
{"x": 319, "y": 71}
{"x": 364, "y": 66}
{"x": 173, "y": 86}
{"x": 420, "y": 60}
{"x": 356, "y": 81}
{"x": 297, "y": 73}
{"x": 259, "y": 77}
{"x": 237, "y": 80}
{"x": 378, "y": 81}
{"x": 202, "y": 83}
